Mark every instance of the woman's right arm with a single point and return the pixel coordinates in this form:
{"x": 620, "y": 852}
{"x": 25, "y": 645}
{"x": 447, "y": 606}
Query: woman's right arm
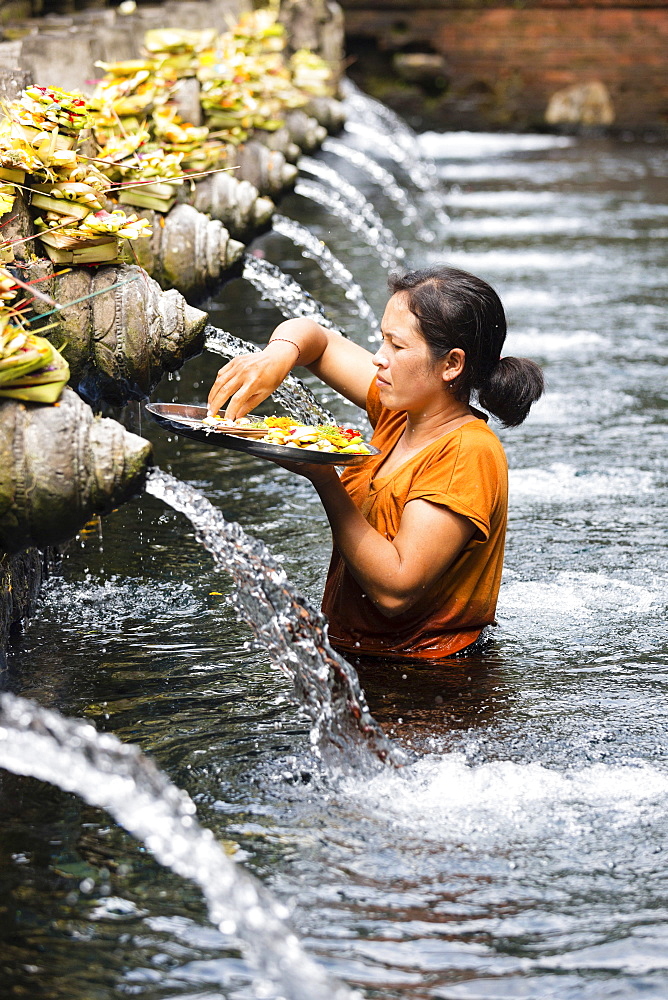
{"x": 247, "y": 381}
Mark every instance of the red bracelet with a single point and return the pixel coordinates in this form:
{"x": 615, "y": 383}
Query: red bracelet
{"x": 285, "y": 340}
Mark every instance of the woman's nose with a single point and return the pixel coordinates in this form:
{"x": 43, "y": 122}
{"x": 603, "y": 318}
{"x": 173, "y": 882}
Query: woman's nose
{"x": 379, "y": 360}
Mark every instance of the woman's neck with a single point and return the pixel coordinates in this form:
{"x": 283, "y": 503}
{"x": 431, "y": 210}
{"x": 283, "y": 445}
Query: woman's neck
{"x": 430, "y": 422}
{"x": 422, "y": 428}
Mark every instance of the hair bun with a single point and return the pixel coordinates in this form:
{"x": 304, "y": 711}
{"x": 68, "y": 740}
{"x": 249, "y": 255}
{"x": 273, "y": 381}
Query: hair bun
{"x": 513, "y": 385}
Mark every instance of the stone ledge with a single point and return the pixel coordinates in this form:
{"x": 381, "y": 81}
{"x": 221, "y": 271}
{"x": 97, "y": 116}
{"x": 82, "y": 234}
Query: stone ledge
{"x": 61, "y": 51}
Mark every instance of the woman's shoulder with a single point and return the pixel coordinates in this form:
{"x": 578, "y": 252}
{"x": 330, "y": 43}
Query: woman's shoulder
{"x": 476, "y": 439}
{"x": 478, "y": 431}
{"x": 471, "y": 452}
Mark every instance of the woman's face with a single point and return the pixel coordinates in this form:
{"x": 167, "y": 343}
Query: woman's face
{"x": 408, "y": 377}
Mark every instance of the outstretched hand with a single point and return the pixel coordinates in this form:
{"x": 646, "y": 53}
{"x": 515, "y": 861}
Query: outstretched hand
{"x": 245, "y": 382}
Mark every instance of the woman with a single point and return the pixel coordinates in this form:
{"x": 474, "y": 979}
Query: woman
{"x": 418, "y": 531}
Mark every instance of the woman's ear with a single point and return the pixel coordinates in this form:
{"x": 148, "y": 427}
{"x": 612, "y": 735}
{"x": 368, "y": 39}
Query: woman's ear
{"x": 453, "y": 364}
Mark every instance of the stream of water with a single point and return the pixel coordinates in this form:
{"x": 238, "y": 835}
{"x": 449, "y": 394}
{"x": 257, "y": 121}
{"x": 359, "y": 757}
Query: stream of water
{"x": 521, "y": 855}
{"x": 331, "y": 266}
{"x": 117, "y": 777}
{"x": 292, "y": 395}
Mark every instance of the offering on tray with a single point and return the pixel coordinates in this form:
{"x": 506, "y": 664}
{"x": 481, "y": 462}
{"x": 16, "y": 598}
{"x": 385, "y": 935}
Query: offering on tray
{"x": 244, "y": 426}
{"x": 276, "y": 438}
{"x": 292, "y": 434}
{"x": 48, "y": 109}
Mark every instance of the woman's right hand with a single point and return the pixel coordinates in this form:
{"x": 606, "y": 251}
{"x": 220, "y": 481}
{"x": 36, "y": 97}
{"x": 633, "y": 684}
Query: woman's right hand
{"x": 248, "y": 380}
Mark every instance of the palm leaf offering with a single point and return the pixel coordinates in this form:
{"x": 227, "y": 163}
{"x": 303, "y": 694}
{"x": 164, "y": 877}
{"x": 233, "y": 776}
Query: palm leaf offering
{"x": 145, "y": 150}
{"x": 150, "y": 180}
{"x": 93, "y": 239}
{"x": 31, "y": 369}
{"x": 51, "y": 109}
{"x": 68, "y": 191}
{"x": 311, "y": 74}
{"x": 178, "y": 52}
{"x": 246, "y": 83}
{"x": 130, "y": 88}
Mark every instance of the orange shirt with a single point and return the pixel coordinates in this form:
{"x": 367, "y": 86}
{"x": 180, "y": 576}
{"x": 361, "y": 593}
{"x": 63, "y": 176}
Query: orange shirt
{"x": 466, "y": 471}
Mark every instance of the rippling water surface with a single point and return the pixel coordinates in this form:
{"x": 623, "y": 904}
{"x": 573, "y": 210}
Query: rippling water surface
{"x": 522, "y": 856}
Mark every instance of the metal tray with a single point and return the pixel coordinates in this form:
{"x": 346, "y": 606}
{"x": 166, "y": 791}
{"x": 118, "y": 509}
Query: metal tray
{"x": 181, "y": 419}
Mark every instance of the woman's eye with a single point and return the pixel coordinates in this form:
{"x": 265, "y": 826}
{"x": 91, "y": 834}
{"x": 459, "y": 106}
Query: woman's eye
{"x": 388, "y": 342}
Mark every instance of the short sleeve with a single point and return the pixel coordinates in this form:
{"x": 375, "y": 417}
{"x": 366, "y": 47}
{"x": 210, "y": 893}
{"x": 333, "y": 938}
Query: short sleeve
{"x": 466, "y": 481}
{"x": 373, "y": 403}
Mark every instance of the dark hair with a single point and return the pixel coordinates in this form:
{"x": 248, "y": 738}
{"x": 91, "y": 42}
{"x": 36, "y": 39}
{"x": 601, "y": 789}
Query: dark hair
{"x": 456, "y": 309}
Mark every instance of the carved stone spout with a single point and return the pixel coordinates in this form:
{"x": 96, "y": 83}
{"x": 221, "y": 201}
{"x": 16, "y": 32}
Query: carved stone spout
{"x": 60, "y": 465}
{"x": 187, "y": 251}
{"x": 265, "y": 168}
{"x": 328, "y": 111}
{"x": 280, "y": 140}
{"x": 237, "y": 204}
{"x": 305, "y": 130}
{"x": 122, "y": 332}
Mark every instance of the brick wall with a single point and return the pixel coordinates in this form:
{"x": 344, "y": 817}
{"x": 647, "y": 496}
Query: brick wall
{"x": 505, "y": 61}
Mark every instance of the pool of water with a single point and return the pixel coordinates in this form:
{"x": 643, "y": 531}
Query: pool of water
{"x": 522, "y": 855}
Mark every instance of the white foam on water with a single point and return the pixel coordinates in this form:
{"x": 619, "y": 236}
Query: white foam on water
{"x": 561, "y": 481}
{"x": 505, "y": 199}
{"x": 445, "y": 799}
{"x": 536, "y": 298}
{"x": 581, "y": 595}
{"x": 481, "y": 227}
{"x": 644, "y": 951}
{"x": 470, "y": 145}
{"x": 518, "y": 987}
{"x": 511, "y": 171}
{"x": 568, "y": 410}
{"x": 536, "y": 342}
{"x": 512, "y": 260}
{"x": 555, "y": 408}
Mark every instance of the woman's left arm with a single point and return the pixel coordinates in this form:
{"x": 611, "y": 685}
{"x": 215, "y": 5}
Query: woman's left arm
{"x": 394, "y": 574}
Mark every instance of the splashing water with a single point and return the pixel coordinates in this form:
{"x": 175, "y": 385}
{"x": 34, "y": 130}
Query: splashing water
{"x": 331, "y": 266}
{"x": 381, "y": 129}
{"x": 390, "y": 187}
{"x": 293, "y": 633}
{"x": 283, "y": 291}
{"x": 354, "y": 198}
{"x": 295, "y": 397}
{"x": 332, "y": 200}
{"x": 412, "y": 167}
{"x": 377, "y": 139}
{"x": 115, "y": 776}
{"x": 363, "y": 108}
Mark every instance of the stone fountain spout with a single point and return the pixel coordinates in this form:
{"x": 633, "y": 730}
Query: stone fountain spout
{"x": 187, "y": 251}
{"x": 59, "y": 466}
{"x": 237, "y": 204}
{"x": 121, "y": 332}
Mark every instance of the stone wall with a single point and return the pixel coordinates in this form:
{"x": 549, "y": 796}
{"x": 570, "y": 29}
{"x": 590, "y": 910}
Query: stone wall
{"x": 47, "y": 470}
{"x": 502, "y": 61}
{"x": 61, "y": 51}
